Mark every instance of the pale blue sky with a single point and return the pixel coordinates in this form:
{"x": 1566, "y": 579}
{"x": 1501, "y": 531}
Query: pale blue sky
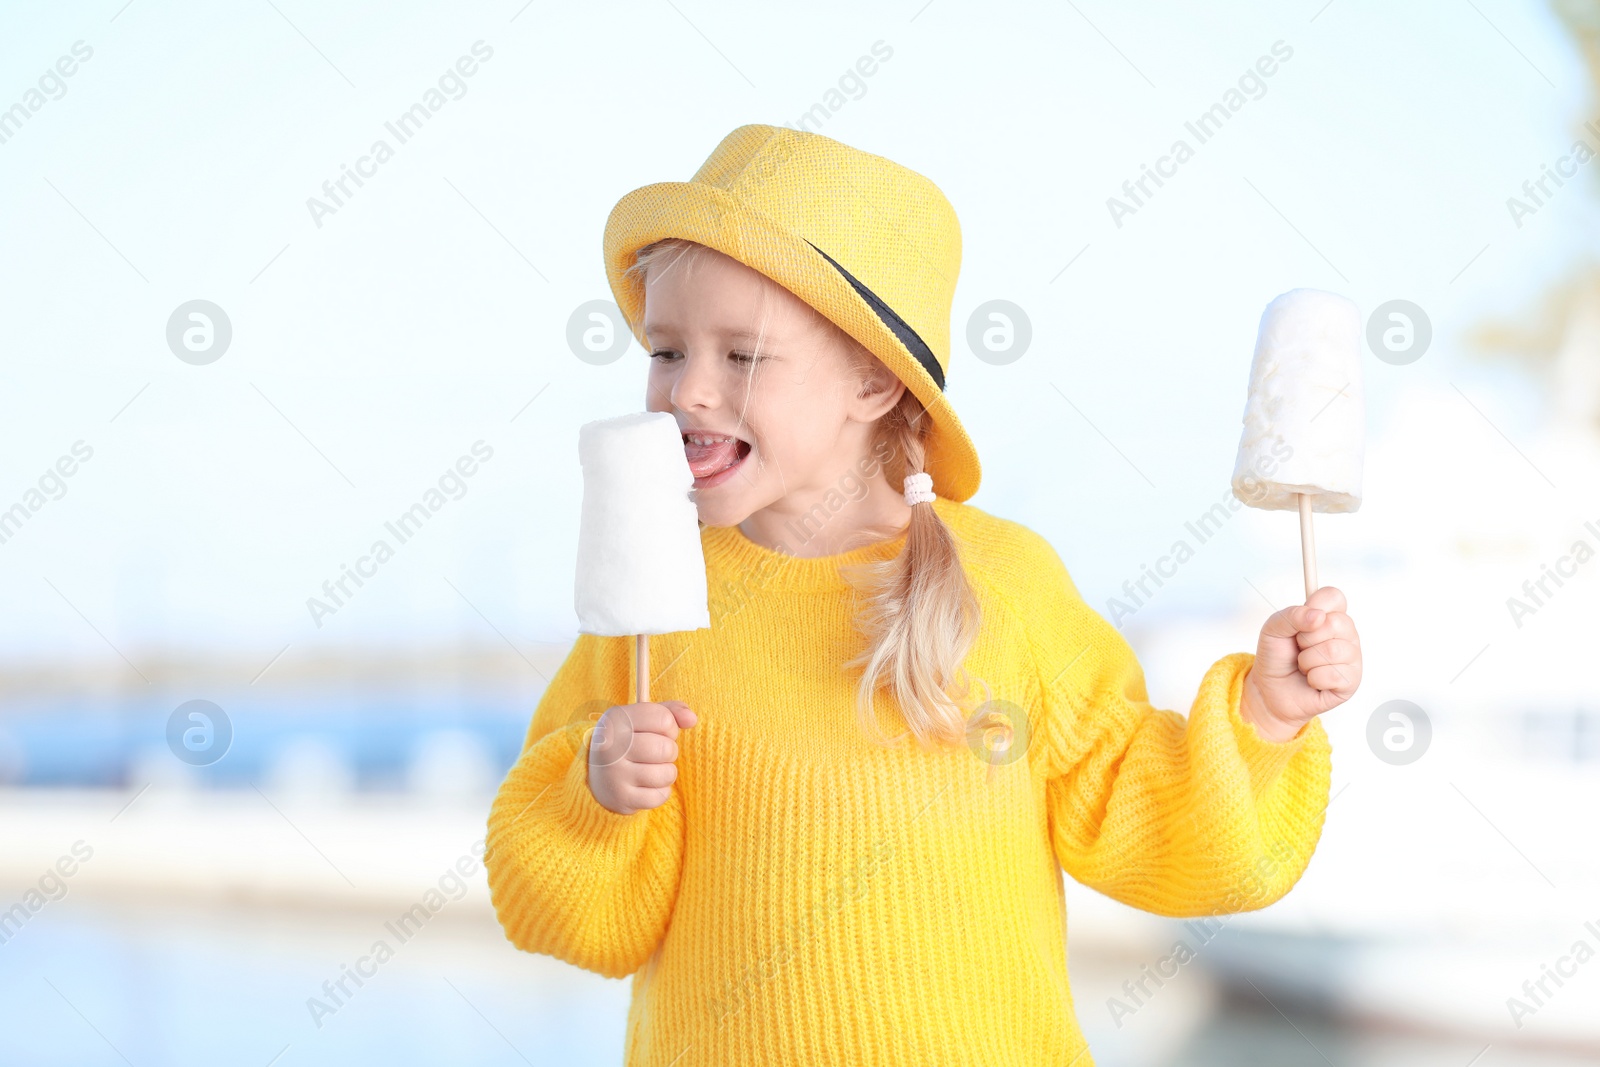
{"x": 368, "y": 354}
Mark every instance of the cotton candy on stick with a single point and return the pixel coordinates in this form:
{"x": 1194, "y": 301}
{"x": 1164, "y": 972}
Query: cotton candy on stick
{"x": 1305, "y": 420}
{"x": 641, "y": 569}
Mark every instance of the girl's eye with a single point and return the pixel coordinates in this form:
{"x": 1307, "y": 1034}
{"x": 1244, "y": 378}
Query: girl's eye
{"x": 666, "y": 355}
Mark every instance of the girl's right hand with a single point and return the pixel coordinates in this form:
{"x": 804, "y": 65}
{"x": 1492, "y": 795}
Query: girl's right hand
{"x": 631, "y": 754}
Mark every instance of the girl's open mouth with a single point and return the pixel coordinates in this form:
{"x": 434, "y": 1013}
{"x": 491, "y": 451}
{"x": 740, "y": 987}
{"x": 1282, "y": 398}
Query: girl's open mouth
{"x": 713, "y": 457}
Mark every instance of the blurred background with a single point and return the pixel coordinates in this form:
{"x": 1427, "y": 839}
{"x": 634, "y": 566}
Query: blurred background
{"x": 226, "y": 378}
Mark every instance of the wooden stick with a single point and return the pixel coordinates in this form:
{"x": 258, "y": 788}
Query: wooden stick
{"x": 1308, "y": 547}
{"x": 641, "y": 682}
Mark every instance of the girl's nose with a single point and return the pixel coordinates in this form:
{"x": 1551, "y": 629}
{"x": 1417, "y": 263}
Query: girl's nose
{"x": 698, "y": 383}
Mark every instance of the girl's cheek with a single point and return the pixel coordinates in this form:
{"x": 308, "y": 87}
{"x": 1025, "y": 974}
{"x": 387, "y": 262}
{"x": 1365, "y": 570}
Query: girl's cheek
{"x": 659, "y": 385}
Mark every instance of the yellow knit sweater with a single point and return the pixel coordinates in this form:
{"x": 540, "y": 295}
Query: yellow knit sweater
{"x": 808, "y": 897}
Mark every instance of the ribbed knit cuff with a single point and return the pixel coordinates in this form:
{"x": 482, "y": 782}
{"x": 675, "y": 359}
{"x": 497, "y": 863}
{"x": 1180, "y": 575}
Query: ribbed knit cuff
{"x": 1265, "y": 759}
{"x": 586, "y": 817}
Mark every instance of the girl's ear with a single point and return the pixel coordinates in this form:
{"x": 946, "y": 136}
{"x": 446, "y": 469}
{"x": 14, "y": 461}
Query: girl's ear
{"x": 880, "y": 391}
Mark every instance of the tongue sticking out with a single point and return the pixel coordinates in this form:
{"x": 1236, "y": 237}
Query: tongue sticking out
{"x": 709, "y": 459}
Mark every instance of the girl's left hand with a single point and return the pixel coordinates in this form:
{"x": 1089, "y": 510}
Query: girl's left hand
{"x": 1308, "y": 659}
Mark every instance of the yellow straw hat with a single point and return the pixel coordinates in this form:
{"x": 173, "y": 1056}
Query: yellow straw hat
{"x": 871, "y": 245}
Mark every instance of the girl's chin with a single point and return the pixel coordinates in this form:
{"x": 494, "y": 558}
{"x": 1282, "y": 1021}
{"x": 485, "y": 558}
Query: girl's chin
{"x": 712, "y": 515}
{"x": 715, "y": 512}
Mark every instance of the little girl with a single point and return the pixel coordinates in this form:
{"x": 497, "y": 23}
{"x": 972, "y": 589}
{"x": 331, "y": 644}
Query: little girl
{"x": 793, "y": 883}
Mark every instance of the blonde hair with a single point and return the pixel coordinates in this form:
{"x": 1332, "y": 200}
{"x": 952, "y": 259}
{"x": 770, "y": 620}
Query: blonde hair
{"x": 916, "y": 654}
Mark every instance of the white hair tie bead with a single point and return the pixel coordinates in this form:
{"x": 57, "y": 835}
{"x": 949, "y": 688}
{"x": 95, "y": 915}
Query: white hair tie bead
{"x": 919, "y": 488}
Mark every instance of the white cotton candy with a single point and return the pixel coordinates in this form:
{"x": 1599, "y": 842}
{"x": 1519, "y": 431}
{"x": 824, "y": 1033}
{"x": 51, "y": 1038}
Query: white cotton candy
{"x": 641, "y": 568}
{"x": 1305, "y": 421}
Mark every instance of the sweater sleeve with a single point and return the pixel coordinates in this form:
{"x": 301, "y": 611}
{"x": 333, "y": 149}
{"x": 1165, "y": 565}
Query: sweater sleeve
{"x": 1181, "y": 817}
{"x": 568, "y": 877}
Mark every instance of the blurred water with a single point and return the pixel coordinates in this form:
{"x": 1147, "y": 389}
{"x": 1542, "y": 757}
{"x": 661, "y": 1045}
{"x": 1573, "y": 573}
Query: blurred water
{"x": 158, "y": 982}
{"x": 379, "y": 739}
{"x": 162, "y": 983}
